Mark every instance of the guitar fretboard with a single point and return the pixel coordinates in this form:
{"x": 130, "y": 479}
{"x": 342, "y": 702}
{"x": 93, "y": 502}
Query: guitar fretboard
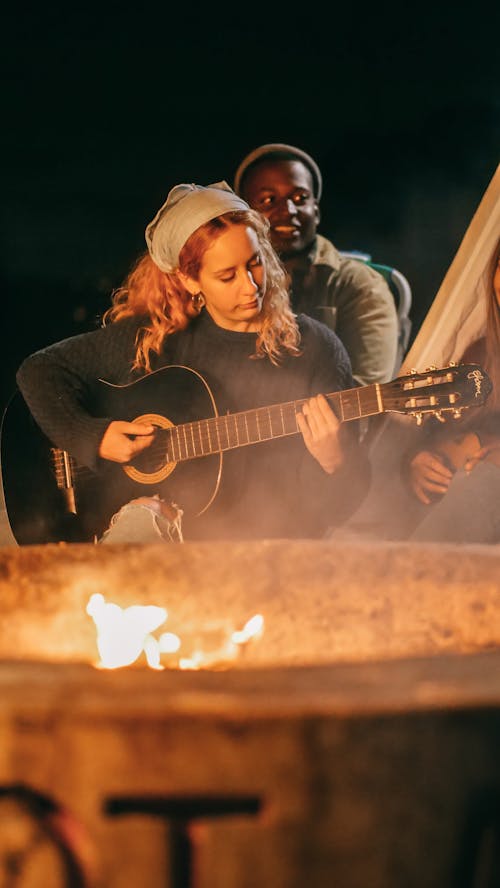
{"x": 194, "y": 439}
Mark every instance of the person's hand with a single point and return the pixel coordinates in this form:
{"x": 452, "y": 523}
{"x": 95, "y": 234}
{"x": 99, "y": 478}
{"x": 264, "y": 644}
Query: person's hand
{"x": 320, "y": 430}
{"x": 124, "y": 440}
{"x": 490, "y": 450}
{"x": 428, "y": 476}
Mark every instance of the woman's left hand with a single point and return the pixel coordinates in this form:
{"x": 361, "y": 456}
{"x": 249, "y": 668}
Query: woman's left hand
{"x": 320, "y": 430}
{"x": 489, "y": 451}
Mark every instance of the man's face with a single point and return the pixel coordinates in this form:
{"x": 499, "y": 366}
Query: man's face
{"x": 282, "y": 190}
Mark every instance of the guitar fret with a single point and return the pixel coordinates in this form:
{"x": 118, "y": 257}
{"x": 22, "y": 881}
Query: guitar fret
{"x": 216, "y": 424}
{"x": 198, "y": 426}
{"x": 270, "y": 419}
{"x": 255, "y": 428}
{"x": 274, "y": 422}
{"x": 372, "y": 398}
{"x": 349, "y": 405}
{"x": 258, "y": 424}
{"x": 282, "y": 419}
{"x": 210, "y": 448}
{"x": 167, "y": 435}
{"x": 248, "y": 427}
{"x": 221, "y": 431}
{"x": 261, "y": 418}
{"x": 287, "y": 412}
{"x": 341, "y": 405}
{"x": 172, "y": 442}
{"x": 183, "y": 442}
{"x": 228, "y": 432}
{"x": 192, "y": 438}
{"x": 178, "y": 441}
{"x": 238, "y": 422}
{"x": 290, "y": 415}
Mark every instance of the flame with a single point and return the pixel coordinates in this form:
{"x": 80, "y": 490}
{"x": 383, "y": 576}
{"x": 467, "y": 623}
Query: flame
{"x": 253, "y": 628}
{"x": 169, "y": 643}
{"x": 123, "y": 634}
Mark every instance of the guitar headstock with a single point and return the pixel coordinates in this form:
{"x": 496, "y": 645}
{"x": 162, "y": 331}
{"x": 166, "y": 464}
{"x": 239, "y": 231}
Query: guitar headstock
{"x": 440, "y": 392}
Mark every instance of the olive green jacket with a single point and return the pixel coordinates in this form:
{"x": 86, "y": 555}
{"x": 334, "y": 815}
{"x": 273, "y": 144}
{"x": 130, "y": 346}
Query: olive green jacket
{"x": 353, "y": 300}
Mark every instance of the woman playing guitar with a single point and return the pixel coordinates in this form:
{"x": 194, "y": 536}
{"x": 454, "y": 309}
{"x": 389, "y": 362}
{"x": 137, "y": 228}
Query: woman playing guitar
{"x": 207, "y": 303}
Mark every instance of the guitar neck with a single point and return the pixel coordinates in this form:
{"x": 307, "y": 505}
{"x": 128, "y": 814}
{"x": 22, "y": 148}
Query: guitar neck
{"x": 202, "y": 437}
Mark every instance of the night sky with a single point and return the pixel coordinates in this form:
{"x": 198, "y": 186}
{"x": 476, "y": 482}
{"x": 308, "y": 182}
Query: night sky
{"x": 105, "y": 110}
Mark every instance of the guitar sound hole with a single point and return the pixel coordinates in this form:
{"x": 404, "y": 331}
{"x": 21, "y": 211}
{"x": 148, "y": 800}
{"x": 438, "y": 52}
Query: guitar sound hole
{"x": 146, "y": 464}
{"x": 150, "y": 460}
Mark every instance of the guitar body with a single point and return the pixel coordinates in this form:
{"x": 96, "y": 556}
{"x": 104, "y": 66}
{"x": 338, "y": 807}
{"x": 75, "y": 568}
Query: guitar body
{"x": 38, "y": 510}
{"x": 35, "y": 507}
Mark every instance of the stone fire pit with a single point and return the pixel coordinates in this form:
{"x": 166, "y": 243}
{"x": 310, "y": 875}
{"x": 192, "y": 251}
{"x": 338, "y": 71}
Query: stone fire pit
{"x": 355, "y": 743}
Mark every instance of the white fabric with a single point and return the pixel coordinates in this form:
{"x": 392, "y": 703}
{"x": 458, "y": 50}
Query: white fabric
{"x": 457, "y": 315}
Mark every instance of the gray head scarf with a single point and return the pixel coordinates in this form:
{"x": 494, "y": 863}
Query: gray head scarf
{"x": 186, "y": 208}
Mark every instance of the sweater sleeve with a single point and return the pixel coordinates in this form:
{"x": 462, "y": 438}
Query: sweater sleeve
{"x": 56, "y": 383}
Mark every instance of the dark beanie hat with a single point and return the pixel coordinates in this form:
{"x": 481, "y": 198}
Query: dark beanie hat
{"x": 279, "y": 151}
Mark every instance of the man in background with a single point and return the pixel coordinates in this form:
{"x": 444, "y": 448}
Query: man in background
{"x": 284, "y": 184}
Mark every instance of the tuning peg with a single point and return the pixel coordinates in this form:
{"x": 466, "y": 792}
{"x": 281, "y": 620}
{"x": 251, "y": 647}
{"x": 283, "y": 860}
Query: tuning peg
{"x": 457, "y": 413}
{"x": 432, "y": 367}
{"x": 419, "y": 418}
{"x": 412, "y": 372}
{"x": 439, "y": 416}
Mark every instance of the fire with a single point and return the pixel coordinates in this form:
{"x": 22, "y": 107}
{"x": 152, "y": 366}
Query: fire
{"x": 253, "y": 628}
{"x": 229, "y": 648}
{"x": 123, "y": 634}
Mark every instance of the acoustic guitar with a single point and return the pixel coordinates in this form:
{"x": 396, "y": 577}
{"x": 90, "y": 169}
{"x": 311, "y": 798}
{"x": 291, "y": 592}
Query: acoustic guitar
{"x": 50, "y": 498}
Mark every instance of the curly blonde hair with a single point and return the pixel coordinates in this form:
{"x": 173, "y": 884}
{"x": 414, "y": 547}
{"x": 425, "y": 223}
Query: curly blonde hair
{"x": 167, "y": 307}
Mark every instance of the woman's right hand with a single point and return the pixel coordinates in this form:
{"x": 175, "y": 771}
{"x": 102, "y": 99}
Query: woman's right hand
{"x": 124, "y": 440}
{"x": 428, "y": 476}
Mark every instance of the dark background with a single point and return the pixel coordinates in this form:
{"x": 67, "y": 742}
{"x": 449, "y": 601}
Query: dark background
{"x": 104, "y": 110}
